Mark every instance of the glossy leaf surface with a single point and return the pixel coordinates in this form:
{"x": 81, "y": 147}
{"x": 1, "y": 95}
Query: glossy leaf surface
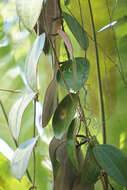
{"x": 82, "y": 67}
{"x": 113, "y": 161}
{"x": 63, "y": 115}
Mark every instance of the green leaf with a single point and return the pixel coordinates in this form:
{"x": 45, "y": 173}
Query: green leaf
{"x": 82, "y": 65}
{"x": 32, "y": 61}
{"x": 28, "y": 12}
{"x": 71, "y": 144}
{"x": 77, "y": 30}
{"x": 90, "y": 170}
{"x": 21, "y": 158}
{"x": 113, "y": 161}
{"x": 17, "y": 111}
{"x": 50, "y": 102}
{"x": 63, "y": 115}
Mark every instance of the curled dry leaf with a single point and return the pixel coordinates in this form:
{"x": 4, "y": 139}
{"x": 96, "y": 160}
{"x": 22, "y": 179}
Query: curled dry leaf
{"x": 50, "y": 102}
{"x": 66, "y": 173}
{"x": 67, "y": 41}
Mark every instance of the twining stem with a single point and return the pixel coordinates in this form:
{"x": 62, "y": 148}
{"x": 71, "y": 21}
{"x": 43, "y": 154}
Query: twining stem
{"x": 16, "y": 144}
{"x": 100, "y": 86}
{"x": 99, "y": 77}
{"x": 83, "y": 118}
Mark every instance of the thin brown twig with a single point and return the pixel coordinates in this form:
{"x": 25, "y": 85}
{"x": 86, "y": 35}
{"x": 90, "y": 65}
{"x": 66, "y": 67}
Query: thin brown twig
{"x": 100, "y": 85}
{"x": 10, "y": 90}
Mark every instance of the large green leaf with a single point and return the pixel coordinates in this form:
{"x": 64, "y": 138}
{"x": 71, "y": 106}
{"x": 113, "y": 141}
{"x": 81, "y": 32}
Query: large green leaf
{"x": 71, "y": 148}
{"x": 113, "y": 161}
{"x": 82, "y": 66}
{"x": 29, "y": 11}
{"x": 91, "y": 170}
{"x": 77, "y": 30}
{"x": 32, "y": 61}
{"x": 21, "y": 158}
{"x": 17, "y": 111}
{"x": 64, "y": 114}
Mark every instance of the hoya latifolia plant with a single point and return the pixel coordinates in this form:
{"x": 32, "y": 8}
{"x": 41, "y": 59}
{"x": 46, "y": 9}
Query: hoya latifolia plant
{"x": 83, "y": 57}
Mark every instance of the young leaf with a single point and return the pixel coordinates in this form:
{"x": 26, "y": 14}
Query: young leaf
{"x": 50, "y": 102}
{"x": 90, "y": 170}
{"x": 28, "y": 12}
{"x": 6, "y": 150}
{"x": 32, "y": 61}
{"x": 113, "y": 161}
{"x": 77, "y": 31}
{"x": 17, "y": 111}
{"x": 21, "y": 158}
{"x": 63, "y": 115}
{"x": 71, "y": 144}
{"x": 82, "y": 65}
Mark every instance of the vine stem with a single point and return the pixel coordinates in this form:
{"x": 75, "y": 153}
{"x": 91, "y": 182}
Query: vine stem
{"x": 100, "y": 86}
{"x": 15, "y": 142}
{"x": 99, "y": 76}
{"x": 10, "y": 90}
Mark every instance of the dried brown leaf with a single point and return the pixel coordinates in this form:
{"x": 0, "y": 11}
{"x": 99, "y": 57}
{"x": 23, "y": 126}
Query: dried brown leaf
{"x": 67, "y": 41}
{"x": 50, "y": 102}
